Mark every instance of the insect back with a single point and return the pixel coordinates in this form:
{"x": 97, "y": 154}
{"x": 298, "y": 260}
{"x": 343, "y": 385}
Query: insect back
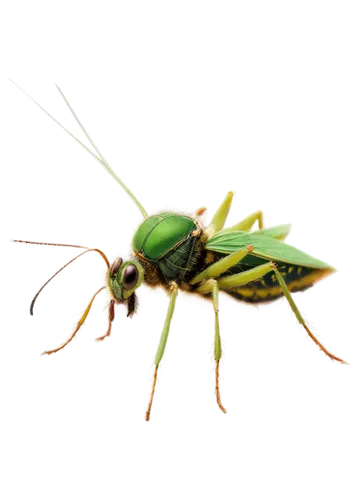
{"x": 168, "y": 245}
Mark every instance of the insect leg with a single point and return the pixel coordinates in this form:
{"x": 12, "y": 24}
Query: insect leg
{"x": 218, "y": 221}
{"x": 238, "y": 279}
{"x": 222, "y": 265}
{"x": 248, "y": 222}
{"x": 217, "y": 343}
{"x": 299, "y": 317}
{"x": 162, "y": 344}
{"x": 85, "y": 250}
{"x": 51, "y": 351}
{"x": 111, "y": 316}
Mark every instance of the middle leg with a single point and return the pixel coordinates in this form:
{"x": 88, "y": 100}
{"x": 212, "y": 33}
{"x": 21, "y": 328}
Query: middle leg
{"x": 213, "y": 288}
{"x": 217, "y": 344}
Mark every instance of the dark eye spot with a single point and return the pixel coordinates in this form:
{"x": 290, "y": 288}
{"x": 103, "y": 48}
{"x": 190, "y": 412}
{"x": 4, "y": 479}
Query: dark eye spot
{"x": 130, "y": 277}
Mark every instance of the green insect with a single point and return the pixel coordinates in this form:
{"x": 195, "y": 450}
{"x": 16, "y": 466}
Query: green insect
{"x": 175, "y": 251}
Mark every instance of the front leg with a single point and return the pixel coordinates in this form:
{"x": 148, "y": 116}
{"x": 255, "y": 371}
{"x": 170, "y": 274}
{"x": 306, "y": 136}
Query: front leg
{"x": 84, "y": 316}
{"x": 162, "y": 343}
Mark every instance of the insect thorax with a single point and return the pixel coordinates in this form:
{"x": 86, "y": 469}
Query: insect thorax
{"x": 170, "y": 248}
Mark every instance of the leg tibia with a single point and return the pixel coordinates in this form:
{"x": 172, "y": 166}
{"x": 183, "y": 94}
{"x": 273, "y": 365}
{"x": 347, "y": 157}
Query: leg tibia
{"x": 222, "y": 265}
{"x": 162, "y": 344}
{"x": 248, "y": 222}
{"x": 299, "y": 317}
{"x": 217, "y": 342}
{"x": 236, "y": 280}
{"x": 52, "y": 351}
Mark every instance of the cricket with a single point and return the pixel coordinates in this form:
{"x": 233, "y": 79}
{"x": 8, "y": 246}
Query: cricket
{"x": 176, "y": 251}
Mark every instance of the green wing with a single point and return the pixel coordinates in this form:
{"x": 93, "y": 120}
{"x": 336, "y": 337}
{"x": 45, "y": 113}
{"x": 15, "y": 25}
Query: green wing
{"x": 277, "y": 232}
{"x": 265, "y": 247}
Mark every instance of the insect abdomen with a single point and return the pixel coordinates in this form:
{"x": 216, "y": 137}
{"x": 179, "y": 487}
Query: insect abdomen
{"x": 267, "y": 289}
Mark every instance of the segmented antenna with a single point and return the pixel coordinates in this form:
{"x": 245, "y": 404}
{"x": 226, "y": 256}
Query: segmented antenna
{"x": 85, "y": 140}
{"x": 85, "y": 250}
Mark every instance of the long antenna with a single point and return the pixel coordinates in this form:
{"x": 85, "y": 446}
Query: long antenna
{"x": 85, "y": 141}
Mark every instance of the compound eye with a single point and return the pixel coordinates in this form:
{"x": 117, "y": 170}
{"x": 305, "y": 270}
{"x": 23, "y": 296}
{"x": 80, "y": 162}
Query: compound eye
{"x": 130, "y": 277}
{"x": 115, "y": 266}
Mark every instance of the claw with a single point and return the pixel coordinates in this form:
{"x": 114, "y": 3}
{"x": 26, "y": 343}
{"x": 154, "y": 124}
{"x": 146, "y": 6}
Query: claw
{"x": 45, "y": 354}
{"x": 218, "y": 395}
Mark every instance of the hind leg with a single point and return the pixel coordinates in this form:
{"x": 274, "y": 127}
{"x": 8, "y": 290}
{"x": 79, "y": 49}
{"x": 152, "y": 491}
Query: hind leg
{"x": 218, "y": 221}
{"x": 221, "y": 265}
{"x": 240, "y": 279}
{"x": 248, "y": 222}
{"x": 299, "y": 317}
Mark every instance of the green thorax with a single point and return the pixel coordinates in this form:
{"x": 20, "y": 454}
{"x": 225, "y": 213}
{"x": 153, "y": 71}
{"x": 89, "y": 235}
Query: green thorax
{"x": 167, "y": 242}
